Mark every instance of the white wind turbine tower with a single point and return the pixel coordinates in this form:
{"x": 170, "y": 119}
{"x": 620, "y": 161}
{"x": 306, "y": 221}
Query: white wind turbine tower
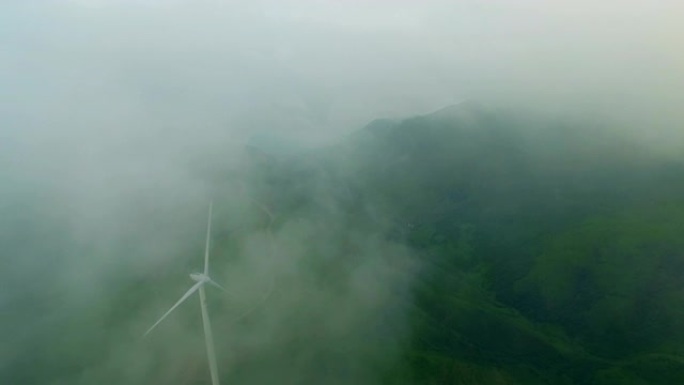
{"x": 201, "y": 279}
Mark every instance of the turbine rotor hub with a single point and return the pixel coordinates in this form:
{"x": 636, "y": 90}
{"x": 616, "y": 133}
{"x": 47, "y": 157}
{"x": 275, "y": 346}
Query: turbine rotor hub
{"x": 199, "y": 277}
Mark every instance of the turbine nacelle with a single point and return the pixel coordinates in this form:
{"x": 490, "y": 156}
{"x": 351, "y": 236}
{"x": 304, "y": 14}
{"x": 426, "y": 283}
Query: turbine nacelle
{"x": 200, "y": 277}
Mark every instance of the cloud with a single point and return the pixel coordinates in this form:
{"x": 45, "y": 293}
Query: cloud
{"x": 319, "y": 68}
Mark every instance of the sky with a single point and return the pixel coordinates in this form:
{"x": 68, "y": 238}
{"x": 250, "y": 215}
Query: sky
{"x": 315, "y": 70}
{"x": 104, "y": 103}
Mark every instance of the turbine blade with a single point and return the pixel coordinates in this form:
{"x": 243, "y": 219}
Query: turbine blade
{"x": 209, "y": 339}
{"x": 183, "y": 298}
{"x": 206, "y": 248}
{"x": 215, "y": 284}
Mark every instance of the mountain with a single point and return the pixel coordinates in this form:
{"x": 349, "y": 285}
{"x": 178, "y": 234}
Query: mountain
{"x": 551, "y": 249}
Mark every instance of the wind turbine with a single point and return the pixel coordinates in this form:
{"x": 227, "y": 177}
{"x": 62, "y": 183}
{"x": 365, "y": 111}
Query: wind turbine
{"x": 201, "y": 279}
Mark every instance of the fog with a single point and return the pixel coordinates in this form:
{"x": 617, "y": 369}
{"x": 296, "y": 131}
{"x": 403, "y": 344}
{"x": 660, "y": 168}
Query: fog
{"x": 109, "y": 108}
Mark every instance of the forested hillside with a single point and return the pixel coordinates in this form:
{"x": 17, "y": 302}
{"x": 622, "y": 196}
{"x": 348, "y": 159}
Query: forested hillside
{"x": 551, "y": 252}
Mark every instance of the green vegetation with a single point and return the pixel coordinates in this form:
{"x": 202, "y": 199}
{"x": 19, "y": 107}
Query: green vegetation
{"x": 553, "y": 254}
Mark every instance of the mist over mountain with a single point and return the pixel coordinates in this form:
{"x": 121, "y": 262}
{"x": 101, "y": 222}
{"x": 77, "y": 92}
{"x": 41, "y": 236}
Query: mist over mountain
{"x": 466, "y": 243}
{"x": 434, "y": 192}
{"x": 505, "y": 247}
{"x": 545, "y": 257}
